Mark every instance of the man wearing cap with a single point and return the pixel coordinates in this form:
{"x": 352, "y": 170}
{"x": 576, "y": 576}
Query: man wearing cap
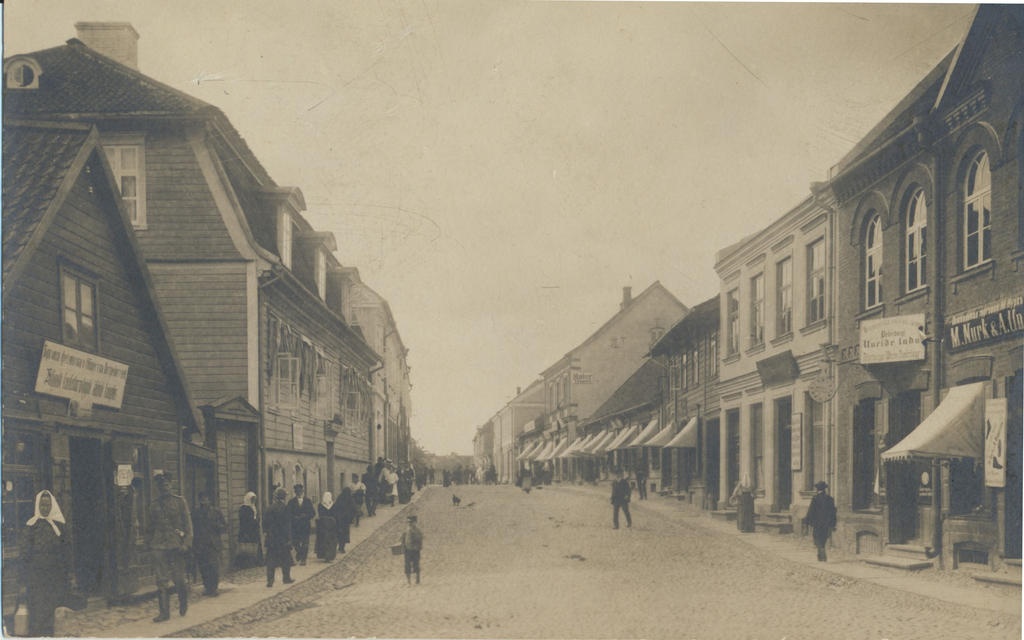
{"x": 277, "y": 527}
{"x": 821, "y": 517}
{"x": 170, "y": 536}
{"x": 301, "y": 512}
{"x": 412, "y": 544}
{"x": 620, "y": 499}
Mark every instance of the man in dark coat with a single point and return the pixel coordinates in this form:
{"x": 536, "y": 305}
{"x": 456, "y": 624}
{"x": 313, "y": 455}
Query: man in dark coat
{"x": 370, "y": 496}
{"x": 169, "y": 536}
{"x": 620, "y": 499}
{"x": 277, "y": 526}
{"x": 208, "y": 524}
{"x": 301, "y": 512}
{"x": 821, "y": 517}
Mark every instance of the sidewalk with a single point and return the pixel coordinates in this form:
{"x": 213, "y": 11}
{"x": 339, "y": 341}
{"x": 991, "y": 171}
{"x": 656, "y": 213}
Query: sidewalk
{"x": 136, "y": 620}
{"x": 945, "y": 586}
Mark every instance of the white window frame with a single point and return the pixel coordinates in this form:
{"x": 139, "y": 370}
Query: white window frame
{"x": 285, "y": 237}
{"x": 757, "y": 310}
{"x": 321, "y": 273}
{"x": 114, "y": 148}
{"x": 816, "y": 281}
{"x": 732, "y": 322}
{"x": 286, "y": 381}
{"x": 978, "y": 205}
{"x": 784, "y": 297}
{"x": 873, "y": 262}
{"x": 82, "y": 285}
{"x": 916, "y": 251}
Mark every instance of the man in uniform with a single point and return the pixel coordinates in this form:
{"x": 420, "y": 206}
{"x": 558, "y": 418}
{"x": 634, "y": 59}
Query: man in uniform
{"x": 170, "y": 537}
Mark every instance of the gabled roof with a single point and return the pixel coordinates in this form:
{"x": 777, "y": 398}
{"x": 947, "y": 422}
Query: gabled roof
{"x": 701, "y": 318}
{"x": 37, "y": 161}
{"x": 639, "y": 390}
{"x": 655, "y": 286}
{"x": 29, "y": 209}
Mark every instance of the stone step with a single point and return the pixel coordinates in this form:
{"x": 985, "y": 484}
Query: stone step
{"x": 907, "y": 564}
{"x": 911, "y": 551}
{"x": 999, "y": 578}
{"x": 1013, "y": 562}
{"x": 724, "y": 514}
{"x": 773, "y": 526}
{"x": 777, "y": 517}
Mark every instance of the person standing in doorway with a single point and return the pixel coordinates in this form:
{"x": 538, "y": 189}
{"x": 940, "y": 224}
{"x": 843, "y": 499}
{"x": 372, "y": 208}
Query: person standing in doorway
{"x": 277, "y": 526}
{"x": 170, "y": 537}
{"x": 301, "y": 512}
{"x": 620, "y": 499}
{"x": 821, "y": 517}
{"x": 45, "y": 564}
{"x": 208, "y": 524}
{"x": 412, "y": 544}
{"x": 641, "y": 483}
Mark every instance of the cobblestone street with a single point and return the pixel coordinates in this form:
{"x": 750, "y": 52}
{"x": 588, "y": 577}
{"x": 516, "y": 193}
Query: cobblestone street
{"x": 506, "y": 564}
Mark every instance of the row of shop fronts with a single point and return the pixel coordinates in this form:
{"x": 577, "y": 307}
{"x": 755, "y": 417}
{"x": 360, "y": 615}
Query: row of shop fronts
{"x": 167, "y": 307}
{"x": 872, "y": 337}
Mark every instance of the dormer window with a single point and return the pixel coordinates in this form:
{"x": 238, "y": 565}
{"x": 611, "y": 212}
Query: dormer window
{"x": 321, "y": 274}
{"x": 284, "y": 237}
{"x": 127, "y": 157}
{"x": 22, "y": 73}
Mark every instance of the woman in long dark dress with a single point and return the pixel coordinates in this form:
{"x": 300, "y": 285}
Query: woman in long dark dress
{"x": 45, "y": 564}
{"x": 344, "y": 512}
{"x": 326, "y": 529}
{"x": 250, "y": 553}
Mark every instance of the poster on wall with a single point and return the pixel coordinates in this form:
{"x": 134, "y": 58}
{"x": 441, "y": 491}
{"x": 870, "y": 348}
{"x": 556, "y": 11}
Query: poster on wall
{"x": 797, "y": 442}
{"x": 995, "y": 442}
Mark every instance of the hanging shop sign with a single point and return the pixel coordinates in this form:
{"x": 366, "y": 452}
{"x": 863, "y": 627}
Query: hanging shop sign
{"x": 995, "y": 442}
{"x": 988, "y": 322}
{"x": 896, "y": 339}
{"x": 81, "y": 377}
{"x": 579, "y": 377}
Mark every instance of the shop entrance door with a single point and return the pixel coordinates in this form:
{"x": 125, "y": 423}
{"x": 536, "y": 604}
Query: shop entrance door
{"x": 784, "y": 453}
{"x": 711, "y": 460}
{"x": 88, "y": 517}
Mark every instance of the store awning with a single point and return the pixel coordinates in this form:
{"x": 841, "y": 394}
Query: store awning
{"x": 625, "y": 435}
{"x": 567, "y": 451}
{"x": 956, "y": 429}
{"x": 599, "y": 444}
{"x": 544, "y": 452}
{"x": 575, "y": 447}
{"x": 649, "y": 432}
{"x": 558, "y": 449}
{"x": 530, "y": 448}
{"x": 664, "y": 437}
{"x": 687, "y": 438}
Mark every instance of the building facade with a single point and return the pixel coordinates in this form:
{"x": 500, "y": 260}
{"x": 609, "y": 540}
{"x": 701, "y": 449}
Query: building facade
{"x": 774, "y": 383}
{"x": 94, "y": 398}
{"x": 928, "y": 254}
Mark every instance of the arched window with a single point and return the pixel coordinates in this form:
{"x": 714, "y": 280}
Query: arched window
{"x": 873, "y": 262}
{"x": 978, "y": 212}
{"x": 917, "y": 225}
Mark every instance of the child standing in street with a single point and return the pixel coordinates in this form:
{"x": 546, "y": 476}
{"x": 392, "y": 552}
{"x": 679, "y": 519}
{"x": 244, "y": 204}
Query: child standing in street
{"x": 412, "y": 543}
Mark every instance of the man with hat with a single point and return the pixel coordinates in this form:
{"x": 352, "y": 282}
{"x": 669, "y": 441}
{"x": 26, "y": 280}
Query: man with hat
{"x": 412, "y": 544}
{"x": 170, "y": 536}
{"x": 301, "y": 512}
{"x": 821, "y": 517}
{"x": 277, "y": 526}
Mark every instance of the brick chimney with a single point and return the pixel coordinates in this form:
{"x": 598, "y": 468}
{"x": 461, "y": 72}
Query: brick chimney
{"x": 627, "y": 296}
{"x": 117, "y": 40}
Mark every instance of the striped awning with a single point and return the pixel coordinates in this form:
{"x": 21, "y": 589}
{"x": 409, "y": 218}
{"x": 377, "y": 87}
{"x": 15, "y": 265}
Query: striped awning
{"x": 544, "y": 452}
{"x": 530, "y": 448}
{"x": 687, "y": 438}
{"x": 580, "y": 442}
{"x": 649, "y": 432}
{"x": 599, "y": 445}
{"x": 556, "y": 451}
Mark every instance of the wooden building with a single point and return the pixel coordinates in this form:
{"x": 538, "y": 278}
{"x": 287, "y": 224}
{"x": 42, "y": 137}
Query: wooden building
{"x": 94, "y": 397}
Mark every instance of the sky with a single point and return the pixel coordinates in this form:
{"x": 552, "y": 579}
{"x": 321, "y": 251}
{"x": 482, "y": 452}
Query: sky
{"x": 498, "y": 171}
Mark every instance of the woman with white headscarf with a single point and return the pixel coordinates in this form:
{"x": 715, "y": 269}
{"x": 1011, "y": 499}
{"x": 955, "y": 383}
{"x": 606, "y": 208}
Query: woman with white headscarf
{"x": 326, "y": 529}
{"x": 45, "y": 564}
{"x": 249, "y": 551}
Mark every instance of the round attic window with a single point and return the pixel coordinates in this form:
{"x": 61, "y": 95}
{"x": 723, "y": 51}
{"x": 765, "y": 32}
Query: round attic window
{"x": 22, "y": 73}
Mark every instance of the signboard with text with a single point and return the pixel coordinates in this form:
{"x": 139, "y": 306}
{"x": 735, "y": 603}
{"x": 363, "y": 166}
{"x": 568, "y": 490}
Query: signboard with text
{"x": 81, "y": 377}
{"x": 994, "y": 320}
{"x": 895, "y": 339}
{"x": 995, "y": 442}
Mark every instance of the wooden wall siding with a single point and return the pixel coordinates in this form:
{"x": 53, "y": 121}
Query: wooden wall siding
{"x": 182, "y": 219}
{"x": 204, "y": 306}
{"x": 82, "y": 234}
